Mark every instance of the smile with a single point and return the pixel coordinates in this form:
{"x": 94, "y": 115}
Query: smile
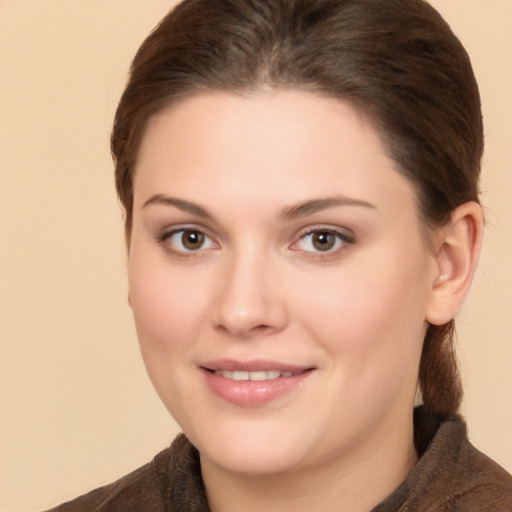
{"x": 255, "y": 376}
{"x": 255, "y": 383}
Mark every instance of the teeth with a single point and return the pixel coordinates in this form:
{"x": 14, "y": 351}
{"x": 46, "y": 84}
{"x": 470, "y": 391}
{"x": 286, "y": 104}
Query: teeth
{"x": 259, "y": 375}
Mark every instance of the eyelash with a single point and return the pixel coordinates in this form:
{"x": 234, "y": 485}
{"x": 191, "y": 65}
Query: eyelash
{"x": 166, "y": 236}
{"x": 342, "y": 239}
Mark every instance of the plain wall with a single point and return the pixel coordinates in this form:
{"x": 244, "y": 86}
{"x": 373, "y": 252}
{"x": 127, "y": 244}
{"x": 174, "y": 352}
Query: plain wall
{"x": 76, "y": 407}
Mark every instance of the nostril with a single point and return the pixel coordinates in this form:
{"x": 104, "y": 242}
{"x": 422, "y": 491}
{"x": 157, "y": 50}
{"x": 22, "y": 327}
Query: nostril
{"x": 246, "y": 331}
{"x": 245, "y": 308}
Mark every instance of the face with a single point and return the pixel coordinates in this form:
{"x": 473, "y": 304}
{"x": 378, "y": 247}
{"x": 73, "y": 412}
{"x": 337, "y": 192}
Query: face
{"x": 279, "y": 279}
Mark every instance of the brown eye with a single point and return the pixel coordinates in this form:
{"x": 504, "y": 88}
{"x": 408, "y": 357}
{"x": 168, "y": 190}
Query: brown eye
{"x": 192, "y": 240}
{"x": 323, "y": 240}
{"x": 188, "y": 240}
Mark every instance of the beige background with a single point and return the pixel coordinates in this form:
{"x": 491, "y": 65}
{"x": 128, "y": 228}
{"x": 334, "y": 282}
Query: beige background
{"x": 76, "y": 408}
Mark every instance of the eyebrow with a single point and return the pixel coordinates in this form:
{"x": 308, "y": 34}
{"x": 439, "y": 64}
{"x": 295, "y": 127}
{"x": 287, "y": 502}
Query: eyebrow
{"x": 181, "y": 204}
{"x": 316, "y": 205}
{"x": 288, "y": 213}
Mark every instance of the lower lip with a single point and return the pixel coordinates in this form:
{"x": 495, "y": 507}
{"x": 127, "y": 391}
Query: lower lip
{"x": 251, "y": 393}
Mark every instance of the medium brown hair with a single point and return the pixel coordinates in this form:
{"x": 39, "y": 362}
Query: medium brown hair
{"x": 396, "y": 61}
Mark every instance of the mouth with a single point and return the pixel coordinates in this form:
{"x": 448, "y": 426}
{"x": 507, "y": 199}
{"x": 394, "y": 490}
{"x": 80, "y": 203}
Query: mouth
{"x": 257, "y": 375}
{"x": 255, "y": 370}
{"x": 253, "y": 383}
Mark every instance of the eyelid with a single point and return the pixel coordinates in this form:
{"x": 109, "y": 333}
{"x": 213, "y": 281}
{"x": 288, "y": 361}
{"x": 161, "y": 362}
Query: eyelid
{"x": 165, "y": 234}
{"x": 343, "y": 234}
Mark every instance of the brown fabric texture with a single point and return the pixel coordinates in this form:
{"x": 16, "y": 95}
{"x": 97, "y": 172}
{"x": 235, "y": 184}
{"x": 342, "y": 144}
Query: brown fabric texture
{"x": 451, "y": 476}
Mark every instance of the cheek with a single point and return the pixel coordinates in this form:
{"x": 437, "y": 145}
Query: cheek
{"x": 366, "y": 312}
{"x": 168, "y": 308}
{"x": 167, "y": 305}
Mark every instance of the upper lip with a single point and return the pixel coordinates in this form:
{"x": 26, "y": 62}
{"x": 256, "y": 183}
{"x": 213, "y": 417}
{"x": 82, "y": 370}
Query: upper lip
{"x": 256, "y": 365}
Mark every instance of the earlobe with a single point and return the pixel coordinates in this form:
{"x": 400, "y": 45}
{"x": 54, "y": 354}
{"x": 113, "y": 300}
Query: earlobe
{"x": 456, "y": 256}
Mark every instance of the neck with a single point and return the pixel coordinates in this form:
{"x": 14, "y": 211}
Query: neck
{"x": 353, "y": 483}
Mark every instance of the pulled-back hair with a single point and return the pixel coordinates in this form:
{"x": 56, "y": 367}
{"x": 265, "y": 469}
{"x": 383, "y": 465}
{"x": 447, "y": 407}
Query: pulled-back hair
{"x": 396, "y": 61}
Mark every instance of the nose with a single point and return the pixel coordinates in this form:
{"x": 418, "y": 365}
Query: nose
{"x": 250, "y": 301}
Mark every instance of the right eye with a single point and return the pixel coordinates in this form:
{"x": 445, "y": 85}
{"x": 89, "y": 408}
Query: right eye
{"x": 187, "y": 241}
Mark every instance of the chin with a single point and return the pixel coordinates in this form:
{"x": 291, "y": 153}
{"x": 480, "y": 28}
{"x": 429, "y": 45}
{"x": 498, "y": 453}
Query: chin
{"x": 252, "y": 450}
{"x": 257, "y": 460}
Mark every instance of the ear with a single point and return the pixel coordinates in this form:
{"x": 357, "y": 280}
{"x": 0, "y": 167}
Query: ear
{"x": 456, "y": 250}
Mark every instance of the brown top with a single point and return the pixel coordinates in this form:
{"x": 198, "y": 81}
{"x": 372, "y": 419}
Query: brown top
{"x": 451, "y": 476}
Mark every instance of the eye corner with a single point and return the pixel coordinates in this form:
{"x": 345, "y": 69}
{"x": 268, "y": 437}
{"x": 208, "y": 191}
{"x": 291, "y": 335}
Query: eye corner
{"x": 173, "y": 241}
{"x": 322, "y": 241}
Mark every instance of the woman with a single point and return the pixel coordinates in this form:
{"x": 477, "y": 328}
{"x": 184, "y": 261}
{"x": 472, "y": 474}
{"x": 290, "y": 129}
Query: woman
{"x": 299, "y": 180}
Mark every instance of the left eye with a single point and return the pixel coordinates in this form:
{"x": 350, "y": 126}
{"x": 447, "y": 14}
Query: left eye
{"x": 321, "y": 240}
{"x": 189, "y": 240}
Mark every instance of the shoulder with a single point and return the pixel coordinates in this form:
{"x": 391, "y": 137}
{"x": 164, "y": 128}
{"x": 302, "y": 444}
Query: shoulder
{"x": 451, "y": 474}
{"x": 482, "y": 485}
{"x": 171, "y": 481}
{"x": 139, "y": 490}
{"x": 468, "y": 480}
{"x": 454, "y": 476}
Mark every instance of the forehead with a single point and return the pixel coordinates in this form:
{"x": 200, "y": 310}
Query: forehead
{"x": 272, "y": 146}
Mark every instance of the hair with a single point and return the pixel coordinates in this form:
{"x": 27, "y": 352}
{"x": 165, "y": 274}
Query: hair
{"x": 395, "y": 61}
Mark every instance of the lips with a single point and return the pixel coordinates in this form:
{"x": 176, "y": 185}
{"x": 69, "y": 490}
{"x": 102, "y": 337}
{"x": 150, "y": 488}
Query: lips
{"x": 258, "y": 375}
{"x": 254, "y": 383}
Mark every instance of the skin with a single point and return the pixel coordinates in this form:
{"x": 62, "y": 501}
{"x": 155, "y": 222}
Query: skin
{"x": 259, "y": 288}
